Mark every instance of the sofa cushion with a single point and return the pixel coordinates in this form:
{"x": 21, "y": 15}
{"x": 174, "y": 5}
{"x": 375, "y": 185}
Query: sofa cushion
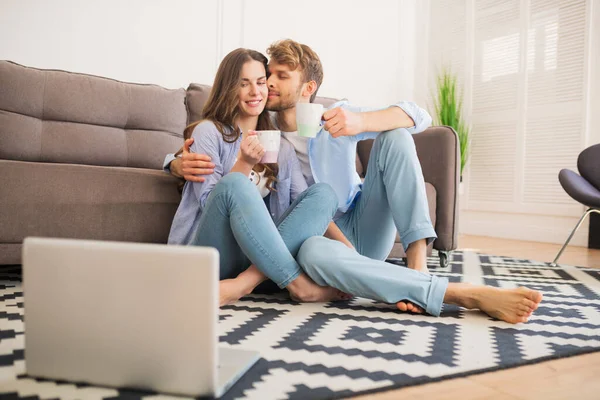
{"x": 195, "y": 98}
{"x": 64, "y": 117}
{"x": 86, "y": 202}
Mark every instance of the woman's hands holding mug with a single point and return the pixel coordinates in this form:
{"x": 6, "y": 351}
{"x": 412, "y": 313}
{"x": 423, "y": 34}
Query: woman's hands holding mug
{"x": 251, "y": 151}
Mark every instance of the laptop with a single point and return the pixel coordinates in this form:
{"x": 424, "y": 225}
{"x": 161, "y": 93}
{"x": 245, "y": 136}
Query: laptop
{"x": 127, "y": 315}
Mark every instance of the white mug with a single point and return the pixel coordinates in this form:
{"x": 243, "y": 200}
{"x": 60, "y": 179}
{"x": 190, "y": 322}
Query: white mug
{"x": 270, "y": 140}
{"x": 308, "y": 118}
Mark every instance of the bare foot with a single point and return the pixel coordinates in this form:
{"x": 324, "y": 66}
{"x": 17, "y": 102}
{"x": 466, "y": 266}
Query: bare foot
{"x": 510, "y": 305}
{"x": 304, "y": 289}
{"x": 230, "y": 291}
{"x": 321, "y": 294}
{"x": 406, "y": 306}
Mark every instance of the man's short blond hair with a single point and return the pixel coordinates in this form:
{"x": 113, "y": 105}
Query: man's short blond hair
{"x": 296, "y": 55}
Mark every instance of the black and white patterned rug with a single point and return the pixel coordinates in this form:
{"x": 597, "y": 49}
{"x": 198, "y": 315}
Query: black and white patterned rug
{"x": 322, "y": 351}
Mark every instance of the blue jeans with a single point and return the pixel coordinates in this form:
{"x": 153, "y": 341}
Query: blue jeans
{"x": 236, "y": 222}
{"x": 331, "y": 263}
{"x": 392, "y": 198}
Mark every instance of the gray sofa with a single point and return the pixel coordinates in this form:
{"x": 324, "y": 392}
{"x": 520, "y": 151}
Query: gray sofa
{"x": 81, "y": 157}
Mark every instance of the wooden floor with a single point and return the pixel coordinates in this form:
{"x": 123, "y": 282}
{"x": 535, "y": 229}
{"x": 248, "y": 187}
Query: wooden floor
{"x": 569, "y": 378}
{"x": 572, "y": 255}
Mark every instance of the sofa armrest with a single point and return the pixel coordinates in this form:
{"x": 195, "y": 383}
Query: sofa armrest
{"x": 438, "y": 151}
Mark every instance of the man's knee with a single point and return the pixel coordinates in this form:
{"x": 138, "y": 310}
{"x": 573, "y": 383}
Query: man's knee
{"x": 311, "y": 252}
{"x": 397, "y": 140}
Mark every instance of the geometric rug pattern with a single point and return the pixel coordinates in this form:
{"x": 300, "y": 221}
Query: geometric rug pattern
{"x": 337, "y": 350}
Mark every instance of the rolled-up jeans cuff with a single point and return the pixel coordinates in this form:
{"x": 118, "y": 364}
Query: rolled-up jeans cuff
{"x": 435, "y": 299}
{"x": 418, "y": 234}
{"x": 289, "y": 279}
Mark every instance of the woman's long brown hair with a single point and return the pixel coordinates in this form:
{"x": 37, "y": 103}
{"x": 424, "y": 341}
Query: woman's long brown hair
{"x": 222, "y": 106}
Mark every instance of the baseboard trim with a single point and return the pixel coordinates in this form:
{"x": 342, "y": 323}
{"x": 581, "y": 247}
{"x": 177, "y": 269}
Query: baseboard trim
{"x": 534, "y": 228}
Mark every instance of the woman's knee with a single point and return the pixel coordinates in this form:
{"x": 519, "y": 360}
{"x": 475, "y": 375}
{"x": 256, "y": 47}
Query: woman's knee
{"x": 326, "y": 194}
{"x": 233, "y": 182}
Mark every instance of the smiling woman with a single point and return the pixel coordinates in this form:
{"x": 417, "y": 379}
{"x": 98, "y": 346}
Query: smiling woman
{"x": 253, "y": 89}
{"x": 238, "y": 97}
{"x": 239, "y": 89}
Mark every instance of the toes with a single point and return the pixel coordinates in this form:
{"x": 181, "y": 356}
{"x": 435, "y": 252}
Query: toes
{"x": 407, "y": 306}
{"x": 530, "y": 304}
{"x": 413, "y": 308}
{"x": 534, "y": 296}
{"x": 524, "y": 308}
{"x": 525, "y": 313}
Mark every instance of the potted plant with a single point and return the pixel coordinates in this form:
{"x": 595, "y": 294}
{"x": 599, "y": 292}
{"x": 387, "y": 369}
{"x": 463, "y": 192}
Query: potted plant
{"x": 448, "y": 111}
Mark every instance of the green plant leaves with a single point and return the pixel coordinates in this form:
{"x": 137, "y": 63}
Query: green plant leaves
{"x": 448, "y": 111}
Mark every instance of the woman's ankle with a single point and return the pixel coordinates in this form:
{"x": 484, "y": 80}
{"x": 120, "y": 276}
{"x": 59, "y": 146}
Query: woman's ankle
{"x": 250, "y": 279}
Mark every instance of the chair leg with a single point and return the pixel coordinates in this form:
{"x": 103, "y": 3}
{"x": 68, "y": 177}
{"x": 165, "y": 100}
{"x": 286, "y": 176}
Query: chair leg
{"x": 588, "y": 212}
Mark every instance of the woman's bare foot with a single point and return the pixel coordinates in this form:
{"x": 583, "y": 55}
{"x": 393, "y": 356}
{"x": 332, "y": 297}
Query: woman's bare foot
{"x": 406, "y": 306}
{"x": 231, "y": 290}
{"x": 323, "y": 295}
{"x": 510, "y": 305}
{"x": 303, "y": 289}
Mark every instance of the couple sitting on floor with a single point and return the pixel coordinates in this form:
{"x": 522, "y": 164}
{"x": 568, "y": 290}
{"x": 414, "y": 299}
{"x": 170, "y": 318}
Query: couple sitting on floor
{"x": 307, "y": 223}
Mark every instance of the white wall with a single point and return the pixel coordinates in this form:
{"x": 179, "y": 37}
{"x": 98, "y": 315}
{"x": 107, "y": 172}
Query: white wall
{"x": 364, "y": 45}
{"x": 367, "y": 47}
{"x": 135, "y": 40}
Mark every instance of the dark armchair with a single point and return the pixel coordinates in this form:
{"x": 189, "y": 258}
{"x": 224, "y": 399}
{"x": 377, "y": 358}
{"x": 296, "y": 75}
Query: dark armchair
{"x": 583, "y": 187}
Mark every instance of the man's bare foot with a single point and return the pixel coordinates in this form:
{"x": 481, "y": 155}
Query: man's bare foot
{"x": 303, "y": 289}
{"x": 510, "y": 305}
{"x": 231, "y": 290}
{"x": 407, "y": 306}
